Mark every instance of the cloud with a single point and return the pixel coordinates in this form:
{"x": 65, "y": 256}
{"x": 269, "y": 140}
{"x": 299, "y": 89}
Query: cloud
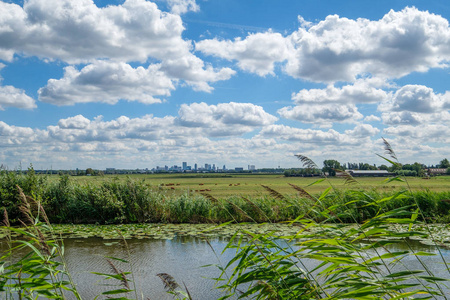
{"x": 125, "y": 140}
{"x": 182, "y": 6}
{"x": 342, "y": 49}
{"x": 197, "y": 120}
{"x": 224, "y": 119}
{"x": 107, "y": 82}
{"x": 77, "y": 122}
{"x": 414, "y": 98}
{"x": 80, "y": 32}
{"x": 324, "y": 114}
{"x": 14, "y": 97}
{"x": 193, "y": 71}
{"x": 414, "y": 105}
{"x": 257, "y": 53}
{"x": 426, "y": 133}
{"x": 361, "y": 91}
{"x": 7, "y": 131}
{"x": 372, "y": 118}
{"x": 363, "y": 131}
{"x": 246, "y": 114}
{"x": 317, "y": 137}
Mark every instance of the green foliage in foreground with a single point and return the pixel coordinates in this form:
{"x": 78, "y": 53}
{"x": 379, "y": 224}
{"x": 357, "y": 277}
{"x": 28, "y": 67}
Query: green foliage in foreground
{"x": 352, "y": 261}
{"x": 133, "y": 201}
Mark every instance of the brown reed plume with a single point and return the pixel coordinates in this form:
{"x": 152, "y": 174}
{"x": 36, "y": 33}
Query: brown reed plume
{"x": 348, "y": 178}
{"x": 274, "y": 193}
{"x": 210, "y": 197}
{"x": 169, "y": 282}
{"x": 123, "y": 278}
{"x": 388, "y": 149}
{"x": 307, "y": 162}
{"x": 5, "y": 221}
{"x": 256, "y": 208}
{"x": 302, "y": 192}
{"x": 25, "y": 208}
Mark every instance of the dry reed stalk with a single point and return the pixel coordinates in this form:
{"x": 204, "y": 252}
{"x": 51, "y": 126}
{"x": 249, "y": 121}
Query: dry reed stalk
{"x": 169, "y": 282}
{"x": 274, "y": 193}
{"x": 256, "y": 208}
{"x": 307, "y": 162}
{"x": 241, "y": 212}
{"x": 302, "y": 192}
{"x": 43, "y": 242}
{"x": 44, "y": 215}
{"x": 5, "y": 221}
{"x": 348, "y": 178}
{"x": 116, "y": 271}
{"x": 210, "y": 197}
{"x": 388, "y": 149}
{"x": 25, "y": 207}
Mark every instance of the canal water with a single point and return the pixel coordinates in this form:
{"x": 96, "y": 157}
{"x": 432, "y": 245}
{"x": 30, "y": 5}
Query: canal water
{"x": 183, "y": 258}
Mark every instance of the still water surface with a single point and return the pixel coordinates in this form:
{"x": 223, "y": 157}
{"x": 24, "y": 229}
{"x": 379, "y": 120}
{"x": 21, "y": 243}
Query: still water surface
{"x": 183, "y": 258}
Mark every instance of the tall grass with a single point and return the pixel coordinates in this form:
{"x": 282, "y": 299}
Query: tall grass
{"x": 133, "y": 201}
{"x": 346, "y": 261}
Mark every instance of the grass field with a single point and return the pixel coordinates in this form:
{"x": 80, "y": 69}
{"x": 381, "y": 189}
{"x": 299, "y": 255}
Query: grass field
{"x": 224, "y": 185}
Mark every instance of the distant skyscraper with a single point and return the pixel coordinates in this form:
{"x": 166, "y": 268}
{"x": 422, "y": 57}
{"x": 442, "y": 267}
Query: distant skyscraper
{"x": 195, "y": 167}
{"x": 184, "y": 165}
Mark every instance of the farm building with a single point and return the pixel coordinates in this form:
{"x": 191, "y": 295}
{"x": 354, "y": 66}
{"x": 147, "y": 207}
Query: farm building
{"x": 437, "y": 171}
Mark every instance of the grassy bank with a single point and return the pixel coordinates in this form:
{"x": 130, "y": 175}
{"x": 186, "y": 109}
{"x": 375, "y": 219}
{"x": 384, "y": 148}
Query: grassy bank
{"x": 134, "y": 200}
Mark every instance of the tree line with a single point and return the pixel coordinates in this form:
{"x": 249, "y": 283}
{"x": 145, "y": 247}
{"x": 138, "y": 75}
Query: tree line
{"x": 330, "y": 166}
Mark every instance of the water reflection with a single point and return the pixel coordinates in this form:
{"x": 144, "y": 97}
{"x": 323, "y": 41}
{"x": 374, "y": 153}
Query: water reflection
{"x": 183, "y": 258}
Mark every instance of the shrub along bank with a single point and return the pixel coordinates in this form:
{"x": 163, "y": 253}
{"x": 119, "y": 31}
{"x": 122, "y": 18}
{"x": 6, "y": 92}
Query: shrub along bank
{"x": 132, "y": 201}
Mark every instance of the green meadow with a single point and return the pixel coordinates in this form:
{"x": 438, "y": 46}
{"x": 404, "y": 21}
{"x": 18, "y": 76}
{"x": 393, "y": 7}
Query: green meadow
{"x": 225, "y": 185}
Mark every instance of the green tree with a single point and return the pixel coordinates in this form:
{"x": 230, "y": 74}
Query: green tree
{"x": 89, "y": 171}
{"x": 330, "y": 166}
{"x": 444, "y": 163}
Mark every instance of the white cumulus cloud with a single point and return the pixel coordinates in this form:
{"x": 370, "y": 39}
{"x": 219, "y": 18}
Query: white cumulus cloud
{"x": 342, "y": 49}
{"x": 183, "y": 6}
{"x": 324, "y": 114}
{"x": 257, "y": 53}
{"x": 14, "y": 97}
{"x": 107, "y": 82}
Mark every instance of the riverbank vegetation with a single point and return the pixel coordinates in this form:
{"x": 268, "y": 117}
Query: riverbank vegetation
{"x": 118, "y": 201}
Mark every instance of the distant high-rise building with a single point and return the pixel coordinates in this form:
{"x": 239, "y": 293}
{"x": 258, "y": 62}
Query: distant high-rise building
{"x": 224, "y": 168}
{"x": 214, "y": 167}
{"x": 251, "y": 167}
{"x": 195, "y": 167}
{"x": 184, "y": 165}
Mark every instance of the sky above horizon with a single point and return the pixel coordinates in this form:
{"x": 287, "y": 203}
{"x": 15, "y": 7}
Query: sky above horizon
{"x": 139, "y": 84}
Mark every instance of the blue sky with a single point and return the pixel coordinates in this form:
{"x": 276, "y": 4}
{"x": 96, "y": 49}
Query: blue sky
{"x": 136, "y": 84}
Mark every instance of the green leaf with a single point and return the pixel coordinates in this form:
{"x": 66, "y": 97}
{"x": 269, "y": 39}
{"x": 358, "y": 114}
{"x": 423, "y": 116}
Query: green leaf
{"x": 118, "y": 291}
